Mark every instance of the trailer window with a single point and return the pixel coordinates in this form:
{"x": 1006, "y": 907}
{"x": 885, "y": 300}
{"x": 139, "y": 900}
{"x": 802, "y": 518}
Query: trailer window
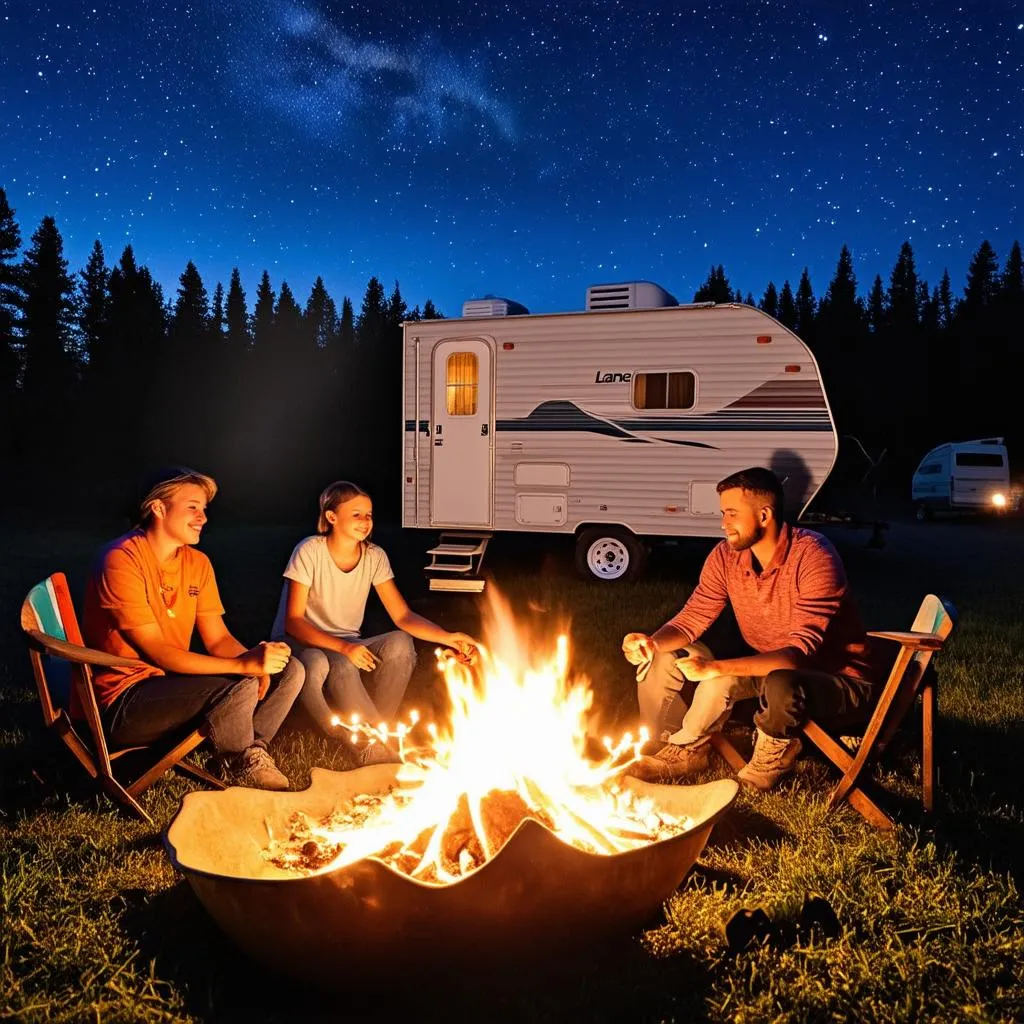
{"x": 462, "y": 379}
{"x": 932, "y": 467}
{"x": 979, "y": 459}
{"x": 670, "y": 390}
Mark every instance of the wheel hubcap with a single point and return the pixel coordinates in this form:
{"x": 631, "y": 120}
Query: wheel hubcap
{"x": 608, "y": 558}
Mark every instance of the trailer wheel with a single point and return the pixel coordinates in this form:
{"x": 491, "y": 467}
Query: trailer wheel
{"x": 923, "y": 514}
{"x": 610, "y": 554}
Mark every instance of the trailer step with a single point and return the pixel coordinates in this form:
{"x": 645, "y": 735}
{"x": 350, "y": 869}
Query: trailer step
{"x": 460, "y": 553}
{"x": 473, "y": 586}
{"x": 458, "y": 549}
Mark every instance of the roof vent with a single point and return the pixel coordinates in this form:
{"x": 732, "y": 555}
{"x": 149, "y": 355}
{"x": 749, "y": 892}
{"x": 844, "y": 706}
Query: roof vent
{"x": 492, "y": 305}
{"x": 628, "y": 295}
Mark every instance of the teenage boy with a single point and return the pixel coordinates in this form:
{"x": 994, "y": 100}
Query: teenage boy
{"x": 148, "y": 590}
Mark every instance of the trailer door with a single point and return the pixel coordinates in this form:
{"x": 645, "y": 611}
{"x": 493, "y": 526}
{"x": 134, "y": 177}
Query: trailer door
{"x": 461, "y": 430}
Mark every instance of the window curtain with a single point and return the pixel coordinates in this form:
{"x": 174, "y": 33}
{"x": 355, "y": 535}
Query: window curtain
{"x": 462, "y": 379}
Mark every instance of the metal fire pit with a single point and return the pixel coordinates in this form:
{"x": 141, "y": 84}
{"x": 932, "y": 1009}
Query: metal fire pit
{"x": 536, "y": 893}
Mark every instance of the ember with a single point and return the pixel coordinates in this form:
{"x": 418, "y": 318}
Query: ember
{"x": 514, "y": 750}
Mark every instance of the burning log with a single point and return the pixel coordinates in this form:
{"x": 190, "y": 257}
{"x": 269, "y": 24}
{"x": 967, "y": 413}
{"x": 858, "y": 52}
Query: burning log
{"x": 466, "y": 843}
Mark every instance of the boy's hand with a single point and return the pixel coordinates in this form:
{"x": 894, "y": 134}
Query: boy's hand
{"x": 265, "y": 659}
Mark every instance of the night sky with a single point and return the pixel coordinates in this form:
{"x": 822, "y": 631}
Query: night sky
{"x": 523, "y": 149}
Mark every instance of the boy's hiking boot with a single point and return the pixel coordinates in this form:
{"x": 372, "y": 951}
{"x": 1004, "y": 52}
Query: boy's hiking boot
{"x": 772, "y": 760}
{"x": 254, "y": 768}
{"x": 672, "y": 762}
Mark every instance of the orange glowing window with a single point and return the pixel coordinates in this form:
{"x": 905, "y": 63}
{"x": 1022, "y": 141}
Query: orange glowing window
{"x": 672, "y": 390}
{"x": 462, "y": 380}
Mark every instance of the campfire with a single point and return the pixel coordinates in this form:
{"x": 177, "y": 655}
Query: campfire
{"x": 516, "y": 747}
{"x": 501, "y": 832}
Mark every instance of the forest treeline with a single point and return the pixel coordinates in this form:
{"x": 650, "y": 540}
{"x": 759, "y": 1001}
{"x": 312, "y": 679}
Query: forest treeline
{"x": 102, "y": 375}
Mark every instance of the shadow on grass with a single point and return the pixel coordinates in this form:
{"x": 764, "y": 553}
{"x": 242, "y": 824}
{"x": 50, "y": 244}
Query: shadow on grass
{"x": 613, "y": 980}
{"x": 744, "y": 825}
{"x": 39, "y": 772}
{"x": 979, "y": 815}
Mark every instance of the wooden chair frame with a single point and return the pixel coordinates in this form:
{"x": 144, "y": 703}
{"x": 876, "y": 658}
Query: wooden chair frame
{"x": 48, "y": 609}
{"x": 908, "y": 678}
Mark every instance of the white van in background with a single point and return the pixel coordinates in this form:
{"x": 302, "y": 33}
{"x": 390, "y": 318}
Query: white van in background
{"x": 965, "y": 476}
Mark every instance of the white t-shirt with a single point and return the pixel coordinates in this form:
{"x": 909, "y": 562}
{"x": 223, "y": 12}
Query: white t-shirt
{"x": 337, "y": 599}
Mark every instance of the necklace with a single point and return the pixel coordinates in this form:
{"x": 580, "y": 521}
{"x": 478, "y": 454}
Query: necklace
{"x": 169, "y": 592}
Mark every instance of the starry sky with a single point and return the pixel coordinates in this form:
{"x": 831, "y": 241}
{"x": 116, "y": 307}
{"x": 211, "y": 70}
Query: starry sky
{"x": 525, "y": 149}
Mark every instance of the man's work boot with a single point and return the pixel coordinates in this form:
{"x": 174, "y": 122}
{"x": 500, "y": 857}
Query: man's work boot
{"x": 672, "y": 762}
{"x": 772, "y": 760}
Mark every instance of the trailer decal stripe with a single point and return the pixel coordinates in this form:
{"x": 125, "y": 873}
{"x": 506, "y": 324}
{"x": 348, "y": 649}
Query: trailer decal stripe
{"x": 562, "y": 415}
{"x": 787, "y": 393}
{"x": 708, "y": 423}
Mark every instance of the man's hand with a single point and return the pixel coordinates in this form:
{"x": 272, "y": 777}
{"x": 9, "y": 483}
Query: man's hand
{"x": 695, "y": 668}
{"x": 465, "y": 647}
{"x": 638, "y": 648}
{"x": 265, "y": 659}
{"x": 362, "y": 657}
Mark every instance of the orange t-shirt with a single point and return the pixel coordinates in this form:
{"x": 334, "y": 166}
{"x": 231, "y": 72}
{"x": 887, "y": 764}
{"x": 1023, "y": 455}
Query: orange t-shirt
{"x": 128, "y": 588}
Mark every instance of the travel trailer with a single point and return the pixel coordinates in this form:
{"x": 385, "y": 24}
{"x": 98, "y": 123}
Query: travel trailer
{"x": 965, "y": 476}
{"x": 613, "y": 424}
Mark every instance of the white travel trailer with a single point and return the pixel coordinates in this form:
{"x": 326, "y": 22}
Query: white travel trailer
{"x": 613, "y": 424}
{"x": 965, "y": 476}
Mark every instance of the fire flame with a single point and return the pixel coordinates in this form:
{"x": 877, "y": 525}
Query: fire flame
{"x": 516, "y": 729}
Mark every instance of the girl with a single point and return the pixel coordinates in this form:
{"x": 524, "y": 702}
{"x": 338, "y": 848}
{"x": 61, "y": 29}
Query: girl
{"x": 327, "y": 582}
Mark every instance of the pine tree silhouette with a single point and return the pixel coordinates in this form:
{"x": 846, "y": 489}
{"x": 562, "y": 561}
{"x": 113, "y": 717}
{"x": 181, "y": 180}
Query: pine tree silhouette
{"x": 11, "y": 300}
{"x": 93, "y": 299}
{"x": 237, "y": 316}
{"x": 48, "y": 316}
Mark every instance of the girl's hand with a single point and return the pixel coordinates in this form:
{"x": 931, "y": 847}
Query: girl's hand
{"x": 362, "y": 657}
{"x": 465, "y": 647}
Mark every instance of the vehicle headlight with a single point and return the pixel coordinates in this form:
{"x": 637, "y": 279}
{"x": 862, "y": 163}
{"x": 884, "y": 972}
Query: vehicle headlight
{"x": 999, "y": 500}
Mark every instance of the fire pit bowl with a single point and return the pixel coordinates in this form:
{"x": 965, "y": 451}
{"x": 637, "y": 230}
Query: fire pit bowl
{"x": 536, "y": 892}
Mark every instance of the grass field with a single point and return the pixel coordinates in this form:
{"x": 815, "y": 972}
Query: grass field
{"x": 96, "y": 926}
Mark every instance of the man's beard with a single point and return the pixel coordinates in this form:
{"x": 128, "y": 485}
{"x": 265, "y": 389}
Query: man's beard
{"x": 742, "y": 543}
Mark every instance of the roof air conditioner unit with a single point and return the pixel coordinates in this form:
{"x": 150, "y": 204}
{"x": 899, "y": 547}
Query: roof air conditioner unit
{"x": 628, "y": 295}
{"x": 492, "y": 305}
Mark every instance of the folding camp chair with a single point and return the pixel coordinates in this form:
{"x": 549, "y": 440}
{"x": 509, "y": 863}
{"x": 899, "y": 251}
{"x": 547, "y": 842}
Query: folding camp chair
{"x": 909, "y": 678}
{"x": 62, "y": 666}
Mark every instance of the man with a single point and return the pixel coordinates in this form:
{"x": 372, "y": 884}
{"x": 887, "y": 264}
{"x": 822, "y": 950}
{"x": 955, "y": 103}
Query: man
{"x": 147, "y": 592}
{"x": 788, "y": 589}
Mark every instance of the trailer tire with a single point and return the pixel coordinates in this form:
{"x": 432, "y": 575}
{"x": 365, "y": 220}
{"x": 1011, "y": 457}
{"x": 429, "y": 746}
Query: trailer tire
{"x": 923, "y": 514}
{"x": 610, "y": 554}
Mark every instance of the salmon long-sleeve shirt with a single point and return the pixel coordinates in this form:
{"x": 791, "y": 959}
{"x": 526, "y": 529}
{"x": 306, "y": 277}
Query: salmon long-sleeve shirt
{"x": 800, "y": 599}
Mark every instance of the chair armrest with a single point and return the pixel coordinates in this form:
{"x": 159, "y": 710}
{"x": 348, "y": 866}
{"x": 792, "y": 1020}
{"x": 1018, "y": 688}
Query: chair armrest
{"x": 80, "y": 655}
{"x": 915, "y": 641}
